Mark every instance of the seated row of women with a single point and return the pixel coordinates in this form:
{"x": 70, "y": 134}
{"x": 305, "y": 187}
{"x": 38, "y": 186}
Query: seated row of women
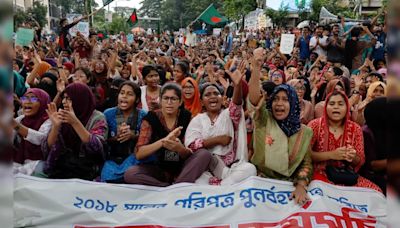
{"x": 173, "y": 145}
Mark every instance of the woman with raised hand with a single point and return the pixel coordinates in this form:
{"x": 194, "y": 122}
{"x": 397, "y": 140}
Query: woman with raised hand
{"x": 31, "y": 129}
{"x": 281, "y": 143}
{"x": 338, "y": 144}
{"x": 75, "y": 143}
{"x": 222, "y": 133}
{"x": 161, "y": 140}
{"x": 124, "y": 122}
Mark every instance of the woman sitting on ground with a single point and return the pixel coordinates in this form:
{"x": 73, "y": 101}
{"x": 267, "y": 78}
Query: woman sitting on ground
{"x": 31, "y": 129}
{"x": 337, "y": 142}
{"x": 124, "y": 122}
{"x": 75, "y": 143}
{"x": 150, "y": 98}
{"x": 191, "y": 96}
{"x": 281, "y": 143}
{"x": 221, "y": 132}
{"x": 161, "y": 137}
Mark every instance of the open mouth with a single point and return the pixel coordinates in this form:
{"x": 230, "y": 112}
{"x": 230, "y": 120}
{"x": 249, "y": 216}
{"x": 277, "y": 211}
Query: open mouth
{"x": 336, "y": 113}
{"x": 123, "y": 104}
{"x": 279, "y": 111}
{"x": 213, "y": 104}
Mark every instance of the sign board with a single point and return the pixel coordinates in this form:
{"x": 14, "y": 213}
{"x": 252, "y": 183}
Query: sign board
{"x": 82, "y": 27}
{"x": 255, "y": 202}
{"x": 24, "y": 36}
{"x": 217, "y": 31}
{"x": 130, "y": 38}
{"x": 287, "y": 43}
{"x": 109, "y": 16}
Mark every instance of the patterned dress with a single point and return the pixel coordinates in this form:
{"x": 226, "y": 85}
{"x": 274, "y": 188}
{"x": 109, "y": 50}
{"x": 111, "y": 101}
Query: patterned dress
{"x": 354, "y": 138}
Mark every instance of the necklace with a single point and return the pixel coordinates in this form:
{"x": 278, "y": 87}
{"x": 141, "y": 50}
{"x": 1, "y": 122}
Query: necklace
{"x": 213, "y": 120}
{"x": 335, "y": 129}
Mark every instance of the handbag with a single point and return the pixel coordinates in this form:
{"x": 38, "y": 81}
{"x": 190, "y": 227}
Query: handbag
{"x": 344, "y": 175}
{"x": 69, "y": 165}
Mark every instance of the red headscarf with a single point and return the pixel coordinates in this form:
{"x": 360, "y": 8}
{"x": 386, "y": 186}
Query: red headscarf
{"x": 193, "y": 104}
{"x": 347, "y": 134}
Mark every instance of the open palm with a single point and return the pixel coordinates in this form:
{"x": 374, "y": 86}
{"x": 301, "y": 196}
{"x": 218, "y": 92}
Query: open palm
{"x": 54, "y": 116}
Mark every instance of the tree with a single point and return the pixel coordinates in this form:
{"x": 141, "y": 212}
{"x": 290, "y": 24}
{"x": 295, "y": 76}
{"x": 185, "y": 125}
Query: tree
{"x": 332, "y": 6}
{"x": 150, "y": 8}
{"x": 37, "y": 12}
{"x": 180, "y": 13}
{"x": 118, "y": 24}
{"x": 123, "y": 11}
{"x": 238, "y": 9}
{"x": 278, "y": 17}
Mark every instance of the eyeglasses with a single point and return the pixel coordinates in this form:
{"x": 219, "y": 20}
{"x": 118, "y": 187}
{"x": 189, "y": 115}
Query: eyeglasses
{"x": 29, "y": 99}
{"x": 170, "y": 99}
{"x": 300, "y": 88}
{"x": 188, "y": 87}
{"x": 277, "y": 75}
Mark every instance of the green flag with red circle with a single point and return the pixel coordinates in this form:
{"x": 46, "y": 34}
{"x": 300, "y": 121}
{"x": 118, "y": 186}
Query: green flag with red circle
{"x": 211, "y": 16}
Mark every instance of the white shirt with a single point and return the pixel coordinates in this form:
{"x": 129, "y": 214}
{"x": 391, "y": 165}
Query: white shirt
{"x": 33, "y": 136}
{"x": 190, "y": 39}
{"x": 319, "y": 50}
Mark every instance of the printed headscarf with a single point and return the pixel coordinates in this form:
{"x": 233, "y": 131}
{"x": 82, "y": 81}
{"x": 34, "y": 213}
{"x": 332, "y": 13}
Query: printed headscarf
{"x": 292, "y": 124}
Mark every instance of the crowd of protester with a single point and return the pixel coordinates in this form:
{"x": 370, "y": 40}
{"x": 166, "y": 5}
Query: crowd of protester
{"x": 216, "y": 110}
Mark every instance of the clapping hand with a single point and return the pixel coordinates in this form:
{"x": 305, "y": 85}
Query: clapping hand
{"x": 67, "y": 115}
{"x": 54, "y": 116}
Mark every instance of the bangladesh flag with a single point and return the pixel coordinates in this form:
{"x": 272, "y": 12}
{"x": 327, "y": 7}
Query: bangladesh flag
{"x": 133, "y": 18}
{"x": 211, "y": 16}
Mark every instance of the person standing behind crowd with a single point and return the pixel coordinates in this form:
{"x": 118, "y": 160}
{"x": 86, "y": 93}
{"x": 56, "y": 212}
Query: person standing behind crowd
{"x": 64, "y": 32}
{"x": 304, "y": 43}
{"x": 319, "y": 42}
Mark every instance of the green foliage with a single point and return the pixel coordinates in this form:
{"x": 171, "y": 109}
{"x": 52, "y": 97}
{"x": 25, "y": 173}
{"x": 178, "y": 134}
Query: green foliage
{"x": 38, "y": 12}
{"x": 331, "y": 6}
{"x": 279, "y": 17}
{"x": 150, "y": 8}
{"x": 76, "y": 6}
{"x": 118, "y": 24}
{"x": 180, "y": 13}
{"x": 237, "y": 9}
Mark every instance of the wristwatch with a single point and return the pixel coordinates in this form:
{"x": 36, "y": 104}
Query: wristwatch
{"x": 356, "y": 92}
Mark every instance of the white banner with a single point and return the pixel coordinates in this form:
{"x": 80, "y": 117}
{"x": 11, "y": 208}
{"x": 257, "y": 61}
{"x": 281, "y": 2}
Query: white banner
{"x": 287, "y": 43}
{"x": 82, "y": 27}
{"x": 256, "y": 202}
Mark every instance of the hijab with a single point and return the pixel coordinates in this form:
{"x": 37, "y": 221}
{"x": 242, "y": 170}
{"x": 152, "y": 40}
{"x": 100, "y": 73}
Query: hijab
{"x": 27, "y": 150}
{"x": 292, "y": 124}
{"x": 50, "y": 88}
{"x": 373, "y": 86}
{"x": 193, "y": 104}
{"x": 83, "y": 103}
{"x": 43, "y": 68}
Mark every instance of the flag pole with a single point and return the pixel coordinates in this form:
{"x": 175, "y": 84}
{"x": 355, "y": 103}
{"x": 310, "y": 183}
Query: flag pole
{"x": 202, "y": 13}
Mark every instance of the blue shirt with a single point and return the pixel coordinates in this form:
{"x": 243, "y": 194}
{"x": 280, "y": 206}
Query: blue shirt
{"x": 305, "y": 47}
{"x": 111, "y": 118}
